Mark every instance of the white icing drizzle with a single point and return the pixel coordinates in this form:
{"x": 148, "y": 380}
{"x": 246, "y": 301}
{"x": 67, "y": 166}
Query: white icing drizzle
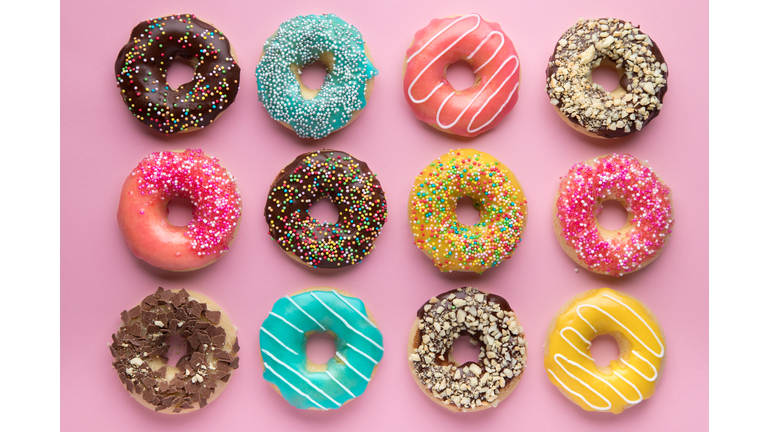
{"x": 346, "y": 323}
{"x": 364, "y": 354}
{"x": 486, "y": 39}
{"x": 305, "y": 379}
{"x": 305, "y": 313}
{"x": 286, "y": 321}
{"x": 338, "y": 354}
{"x": 353, "y": 308}
{"x": 340, "y": 384}
{"x": 557, "y": 357}
{"x": 278, "y": 341}
{"x": 266, "y": 365}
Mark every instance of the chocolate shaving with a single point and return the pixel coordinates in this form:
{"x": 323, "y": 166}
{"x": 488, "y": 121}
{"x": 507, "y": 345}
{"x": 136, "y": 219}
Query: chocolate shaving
{"x": 146, "y": 339}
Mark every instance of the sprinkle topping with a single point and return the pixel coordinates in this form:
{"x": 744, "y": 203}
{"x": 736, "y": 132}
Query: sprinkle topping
{"x": 301, "y": 41}
{"x": 190, "y": 174}
{"x": 143, "y": 63}
{"x": 350, "y": 185}
{"x": 645, "y": 197}
{"x": 497, "y": 196}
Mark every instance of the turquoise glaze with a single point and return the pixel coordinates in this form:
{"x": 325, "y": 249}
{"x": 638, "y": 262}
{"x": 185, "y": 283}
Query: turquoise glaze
{"x": 301, "y": 41}
{"x": 283, "y": 345}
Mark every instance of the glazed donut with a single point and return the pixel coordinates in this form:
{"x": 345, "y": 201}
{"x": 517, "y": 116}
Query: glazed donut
{"x": 632, "y": 183}
{"x": 142, "y": 213}
{"x": 143, "y": 63}
{"x": 624, "y": 383}
{"x": 283, "y": 344}
{"x": 140, "y": 348}
{"x": 350, "y": 185}
{"x": 585, "y": 105}
{"x": 485, "y": 318}
{"x": 300, "y": 42}
{"x": 493, "y": 58}
{"x": 497, "y": 195}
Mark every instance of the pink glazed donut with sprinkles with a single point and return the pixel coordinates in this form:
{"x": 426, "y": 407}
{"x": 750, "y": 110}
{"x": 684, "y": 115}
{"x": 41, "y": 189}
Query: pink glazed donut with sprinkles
{"x": 489, "y": 52}
{"x": 642, "y": 193}
{"x": 143, "y": 210}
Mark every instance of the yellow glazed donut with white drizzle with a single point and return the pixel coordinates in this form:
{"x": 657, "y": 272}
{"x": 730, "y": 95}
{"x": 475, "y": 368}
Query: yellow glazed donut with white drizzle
{"x": 642, "y": 351}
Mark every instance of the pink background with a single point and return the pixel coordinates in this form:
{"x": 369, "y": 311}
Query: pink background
{"x": 101, "y": 143}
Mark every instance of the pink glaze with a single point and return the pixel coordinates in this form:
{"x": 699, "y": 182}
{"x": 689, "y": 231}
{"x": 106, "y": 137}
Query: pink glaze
{"x": 493, "y": 58}
{"x": 143, "y": 210}
{"x": 645, "y": 197}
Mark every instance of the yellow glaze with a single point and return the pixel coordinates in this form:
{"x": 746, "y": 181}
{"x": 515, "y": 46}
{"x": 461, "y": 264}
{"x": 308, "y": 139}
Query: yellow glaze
{"x": 497, "y": 195}
{"x": 628, "y": 380}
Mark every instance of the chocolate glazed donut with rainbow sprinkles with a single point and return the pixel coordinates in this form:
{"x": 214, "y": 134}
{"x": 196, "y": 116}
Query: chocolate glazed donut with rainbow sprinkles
{"x": 142, "y": 66}
{"x": 350, "y": 185}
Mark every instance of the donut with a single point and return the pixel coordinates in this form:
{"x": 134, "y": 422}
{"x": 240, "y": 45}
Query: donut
{"x": 142, "y": 65}
{"x": 497, "y": 195}
{"x": 489, "y": 52}
{"x": 585, "y": 105}
{"x": 140, "y": 348}
{"x": 626, "y": 382}
{"x": 645, "y": 197}
{"x": 304, "y": 40}
{"x": 142, "y": 212}
{"x": 488, "y": 320}
{"x": 283, "y": 346}
{"x": 350, "y": 185}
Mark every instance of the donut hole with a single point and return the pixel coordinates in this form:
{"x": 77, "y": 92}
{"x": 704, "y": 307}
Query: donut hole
{"x": 177, "y": 348}
{"x": 324, "y": 211}
{"x": 461, "y": 75}
{"x": 611, "y": 215}
{"x": 180, "y": 212}
{"x": 609, "y": 78}
{"x": 604, "y": 349}
{"x": 321, "y": 347}
{"x": 313, "y": 75}
{"x": 465, "y": 349}
{"x": 467, "y": 212}
{"x": 179, "y": 72}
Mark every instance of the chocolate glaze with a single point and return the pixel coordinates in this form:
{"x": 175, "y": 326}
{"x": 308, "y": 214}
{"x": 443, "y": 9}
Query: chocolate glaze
{"x": 142, "y": 64}
{"x": 623, "y": 82}
{"x": 490, "y": 298}
{"x": 360, "y": 219}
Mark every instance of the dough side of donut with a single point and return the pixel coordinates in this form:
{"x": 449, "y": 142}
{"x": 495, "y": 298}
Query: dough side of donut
{"x": 621, "y": 340}
{"x": 171, "y": 370}
{"x": 313, "y": 367}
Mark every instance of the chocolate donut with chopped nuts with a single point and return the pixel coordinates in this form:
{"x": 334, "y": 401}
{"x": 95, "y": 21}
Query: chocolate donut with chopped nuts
{"x": 140, "y": 348}
{"x": 487, "y": 319}
{"x": 585, "y": 105}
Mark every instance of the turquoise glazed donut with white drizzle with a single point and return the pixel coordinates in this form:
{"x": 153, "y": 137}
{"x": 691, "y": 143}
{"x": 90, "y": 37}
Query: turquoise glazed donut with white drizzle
{"x": 283, "y": 348}
{"x": 302, "y": 41}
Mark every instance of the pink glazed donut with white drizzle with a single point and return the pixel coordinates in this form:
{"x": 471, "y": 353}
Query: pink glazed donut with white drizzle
{"x": 493, "y": 58}
{"x": 647, "y": 200}
{"x": 142, "y": 213}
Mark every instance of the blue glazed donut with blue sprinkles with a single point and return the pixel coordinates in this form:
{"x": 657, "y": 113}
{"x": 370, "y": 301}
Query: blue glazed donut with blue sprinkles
{"x": 283, "y": 348}
{"x": 300, "y": 42}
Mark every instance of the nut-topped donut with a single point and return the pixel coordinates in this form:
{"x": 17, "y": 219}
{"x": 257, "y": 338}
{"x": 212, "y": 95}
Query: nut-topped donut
{"x": 493, "y": 58}
{"x": 142, "y": 65}
{"x": 300, "y": 42}
{"x": 488, "y": 320}
{"x": 140, "y": 349}
{"x": 585, "y": 105}
{"x": 350, "y": 185}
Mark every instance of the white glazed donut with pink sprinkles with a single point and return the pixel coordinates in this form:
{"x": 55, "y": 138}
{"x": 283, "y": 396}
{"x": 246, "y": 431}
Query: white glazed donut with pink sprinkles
{"x": 647, "y": 200}
{"x": 143, "y": 210}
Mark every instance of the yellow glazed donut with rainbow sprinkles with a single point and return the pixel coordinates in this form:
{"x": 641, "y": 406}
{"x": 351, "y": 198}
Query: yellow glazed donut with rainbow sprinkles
{"x": 497, "y": 195}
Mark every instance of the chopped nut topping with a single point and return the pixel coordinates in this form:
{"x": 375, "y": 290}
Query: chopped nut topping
{"x": 467, "y": 311}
